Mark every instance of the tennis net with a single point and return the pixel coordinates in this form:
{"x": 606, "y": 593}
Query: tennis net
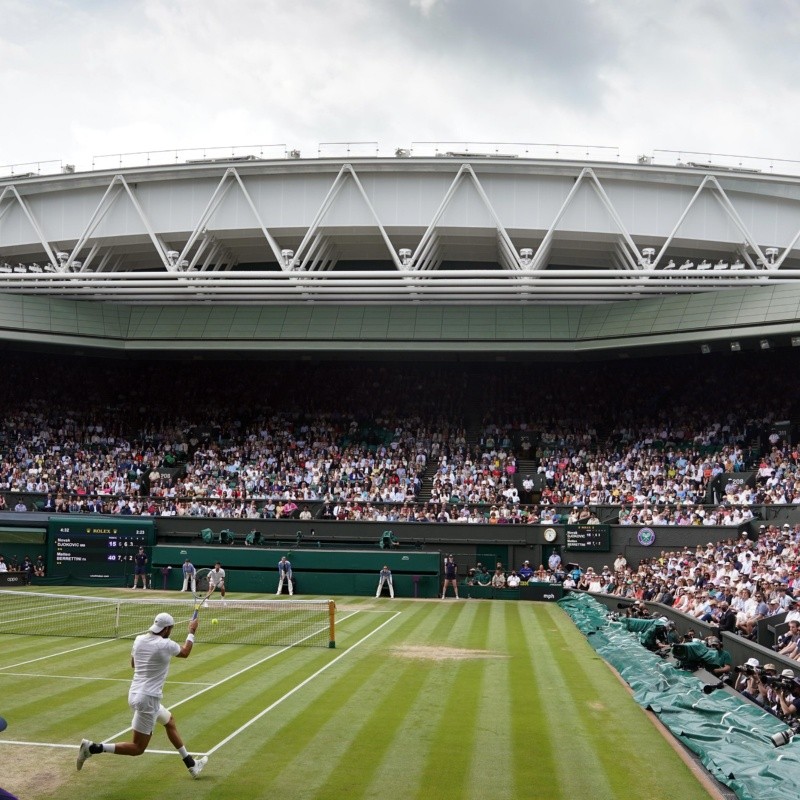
{"x": 279, "y": 623}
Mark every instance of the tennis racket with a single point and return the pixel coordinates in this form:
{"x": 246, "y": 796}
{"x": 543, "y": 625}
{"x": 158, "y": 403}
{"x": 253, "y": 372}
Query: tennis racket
{"x": 203, "y": 589}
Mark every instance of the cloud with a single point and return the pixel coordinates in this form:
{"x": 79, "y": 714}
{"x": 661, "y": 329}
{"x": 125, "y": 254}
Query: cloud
{"x": 154, "y": 74}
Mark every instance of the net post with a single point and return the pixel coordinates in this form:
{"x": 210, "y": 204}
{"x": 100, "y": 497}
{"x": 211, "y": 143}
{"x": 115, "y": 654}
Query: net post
{"x": 332, "y": 623}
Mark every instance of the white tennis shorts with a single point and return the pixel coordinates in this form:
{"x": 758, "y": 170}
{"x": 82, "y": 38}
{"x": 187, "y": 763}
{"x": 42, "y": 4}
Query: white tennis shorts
{"x": 147, "y": 710}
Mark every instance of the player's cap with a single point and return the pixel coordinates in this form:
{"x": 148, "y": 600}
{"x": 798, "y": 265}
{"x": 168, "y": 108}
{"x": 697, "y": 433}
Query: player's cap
{"x": 162, "y": 620}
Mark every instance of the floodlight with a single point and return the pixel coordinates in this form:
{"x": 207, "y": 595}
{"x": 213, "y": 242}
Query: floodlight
{"x": 526, "y": 255}
{"x": 764, "y": 344}
{"x": 771, "y": 254}
{"x": 737, "y": 265}
{"x": 736, "y": 347}
{"x": 686, "y": 265}
{"x": 287, "y": 256}
{"x": 705, "y": 349}
{"x": 704, "y": 265}
{"x": 405, "y": 256}
{"x": 795, "y": 341}
{"x": 647, "y": 255}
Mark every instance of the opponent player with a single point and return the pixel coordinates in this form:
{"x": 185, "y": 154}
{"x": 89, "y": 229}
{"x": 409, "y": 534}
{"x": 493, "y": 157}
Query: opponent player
{"x": 150, "y": 657}
{"x": 285, "y": 573}
{"x": 450, "y": 576}
{"x": 385, "y": 577}
{"x": 216, "y": 580}
{"x": 140, "y": 568}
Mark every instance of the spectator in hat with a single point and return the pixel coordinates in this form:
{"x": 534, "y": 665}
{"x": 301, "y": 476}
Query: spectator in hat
{"x": 747, "y": 680}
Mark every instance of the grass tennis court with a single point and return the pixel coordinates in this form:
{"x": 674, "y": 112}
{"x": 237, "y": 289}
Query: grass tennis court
{"x": 420, "y": 699}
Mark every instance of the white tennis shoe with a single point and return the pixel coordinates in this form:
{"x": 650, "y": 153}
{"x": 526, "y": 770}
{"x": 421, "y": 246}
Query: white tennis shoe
{"x": 83, "y": 753}
{"x": 197, "y": 768}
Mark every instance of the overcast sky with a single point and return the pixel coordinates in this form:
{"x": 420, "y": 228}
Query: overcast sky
{"x": 80, "y": 78}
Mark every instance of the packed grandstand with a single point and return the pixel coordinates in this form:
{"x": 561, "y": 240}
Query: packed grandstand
{"x": 479, "y": 443}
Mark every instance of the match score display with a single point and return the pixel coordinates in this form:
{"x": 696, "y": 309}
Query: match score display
{"x": 589, "y": 537}
{"x": 96, "y": 547}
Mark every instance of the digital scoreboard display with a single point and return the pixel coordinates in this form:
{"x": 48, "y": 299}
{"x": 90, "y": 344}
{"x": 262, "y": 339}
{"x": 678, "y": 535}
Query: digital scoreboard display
{"x": 589, "y": 537}
{"x": 96, "y": 547}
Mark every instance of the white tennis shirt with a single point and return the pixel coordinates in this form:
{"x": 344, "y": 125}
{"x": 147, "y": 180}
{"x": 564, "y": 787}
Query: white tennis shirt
{"x": 151, "y": 654}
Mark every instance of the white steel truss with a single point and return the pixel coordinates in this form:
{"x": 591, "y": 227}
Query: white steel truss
{"x": 207, "y": 263}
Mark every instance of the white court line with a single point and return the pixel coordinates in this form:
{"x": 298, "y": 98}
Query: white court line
{"x": 86, "y": 678}
{"x": 229, "y": 678}
{"x": 56, "y": 655}
{"x": 149, "y": 751}
{"x": 301, "y": 685}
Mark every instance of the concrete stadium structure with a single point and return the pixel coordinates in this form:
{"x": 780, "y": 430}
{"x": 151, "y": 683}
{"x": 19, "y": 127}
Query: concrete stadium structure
{"x": 452, "y": 253}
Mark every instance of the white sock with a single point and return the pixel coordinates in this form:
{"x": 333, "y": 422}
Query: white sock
{"x": 183, "y": 752}
{"x": 109, "y": 748}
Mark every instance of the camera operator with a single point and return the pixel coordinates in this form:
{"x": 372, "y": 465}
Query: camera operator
{"x": 788, "y": 696}
{"x": 765, "y": 694}
{"x": 747, "y": 679}
{"x": 721, "y": 663}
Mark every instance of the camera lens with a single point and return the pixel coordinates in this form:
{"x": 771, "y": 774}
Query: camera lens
{"x": 782, "y": 738}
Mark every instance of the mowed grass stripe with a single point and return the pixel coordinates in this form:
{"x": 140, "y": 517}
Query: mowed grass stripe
{"x": 635, "y": 734}
{"x": 604, "y": 723}
{"x": 377, "y": 722}
{"x": 313, "y": 726}
{"x": 530, "y": 749}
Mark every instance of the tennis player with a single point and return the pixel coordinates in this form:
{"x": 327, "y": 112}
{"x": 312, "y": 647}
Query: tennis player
{"x": 385, "y": 577}
{"x": 189, "y": 576}
{"x": 216, "y": 580}
{"x": 285, "y": 574}
{"x": 150, "y": 657}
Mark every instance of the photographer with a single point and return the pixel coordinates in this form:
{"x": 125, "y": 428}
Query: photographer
{"x": 747, "y": 679}
{"x": 788, "y": 695}
{"x": 765, "y": 694}
{"x": 720, "y": 663}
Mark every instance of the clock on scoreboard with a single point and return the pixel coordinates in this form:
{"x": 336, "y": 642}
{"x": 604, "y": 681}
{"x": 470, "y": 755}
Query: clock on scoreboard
{"x": 589, "y": 537}
{"x": 96, "y": 547}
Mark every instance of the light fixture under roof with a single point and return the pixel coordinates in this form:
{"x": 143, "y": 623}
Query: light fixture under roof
{"x": 764, "y": 344}
{"x": 705, "y": 349}
{"x": 736, "y": 347}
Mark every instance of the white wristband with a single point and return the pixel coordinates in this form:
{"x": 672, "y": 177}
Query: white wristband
{"x": 190, "y": 638}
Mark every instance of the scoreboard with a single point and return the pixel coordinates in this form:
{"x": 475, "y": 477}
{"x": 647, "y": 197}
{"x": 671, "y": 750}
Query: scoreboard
{"x": 96, "y": 547}
{"x": 589, "y": 537}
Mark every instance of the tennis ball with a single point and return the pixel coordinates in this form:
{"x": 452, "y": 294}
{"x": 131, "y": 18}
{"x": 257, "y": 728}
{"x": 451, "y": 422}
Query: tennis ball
{"x": 214, "y": 621}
